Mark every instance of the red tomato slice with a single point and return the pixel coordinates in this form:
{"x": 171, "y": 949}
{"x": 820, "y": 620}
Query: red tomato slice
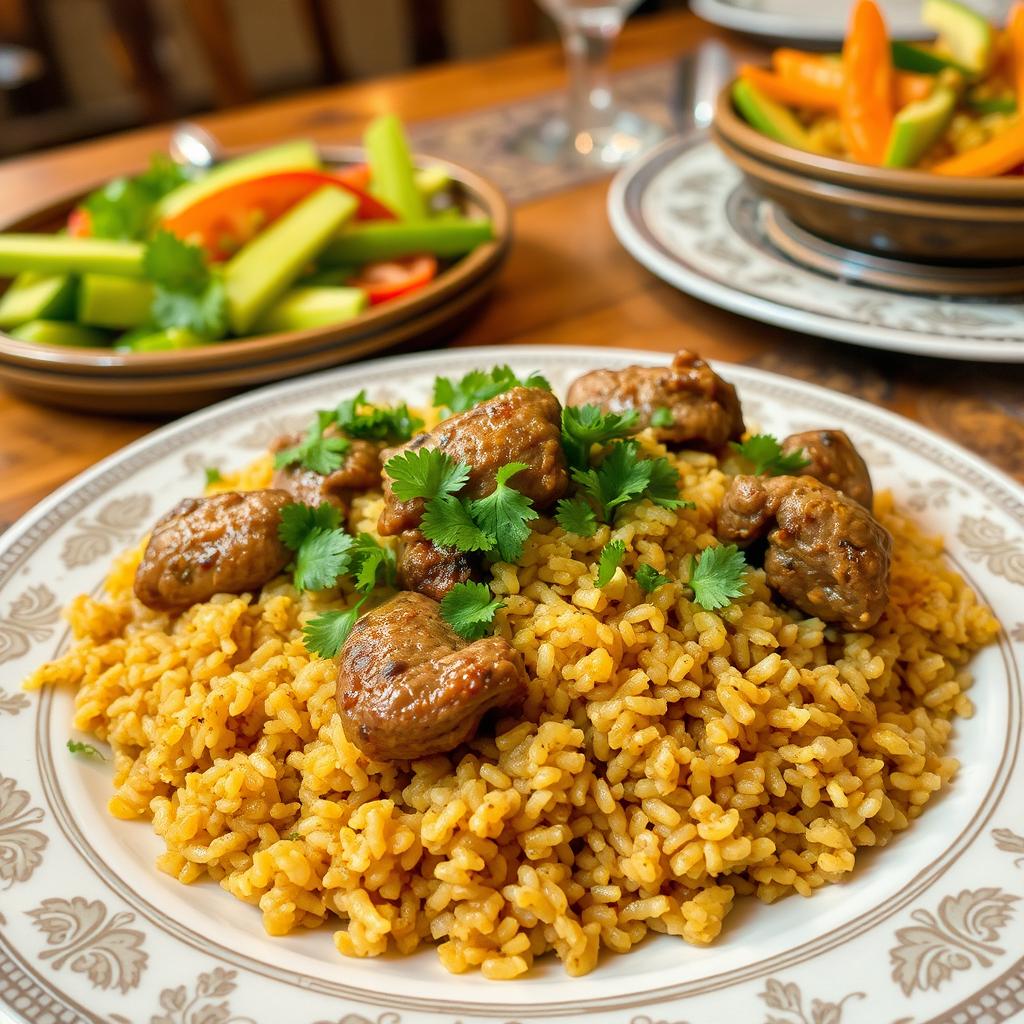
{"x": 79, "y": 223}
{"x": 390, "y": 278}
{"x": 224, "y": 221}
{"x": 358, "y": 176}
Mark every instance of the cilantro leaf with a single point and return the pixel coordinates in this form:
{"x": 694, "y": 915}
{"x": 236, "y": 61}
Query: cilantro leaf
{"x": 213, "y": 475}
{"x": 293, "y": 837}
{"x": 649, "y": 578}
{"x": 358, "y": 418}
{"x": 505, "y": 513}
{"x": 85, "y": 749}
{"x": 298, "y": 521}
{"x": 611, "y": 558}
{"x": 663, "y": 488}
{"x": 326, "y": 634}
{"x": 448, "y": 522}
{"x": 372, "y": 562}
{"x": 174, "y": 264}
{"x": 585, "y": 425}
{"x": 479, "y": 386}
{"x": 120, "y": 209}
{"x": 765, "y": 452}
{"x": 662, "y": 417}
{"x": 716, "y": 577}
{"x": 163, "y": 176}
{"x": 620, "y": 478}
{"x": 204, "y": 312}
{"x": 315, "y": 452}
{"x": 469, "y": 608}
{"x": 425, "y": 473}
{"x": 576, "y": 515}
{"x": 321, "y": 558}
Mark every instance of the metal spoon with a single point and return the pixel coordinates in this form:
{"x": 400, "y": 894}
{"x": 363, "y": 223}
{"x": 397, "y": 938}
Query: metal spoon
{"x": 193, "y": 146}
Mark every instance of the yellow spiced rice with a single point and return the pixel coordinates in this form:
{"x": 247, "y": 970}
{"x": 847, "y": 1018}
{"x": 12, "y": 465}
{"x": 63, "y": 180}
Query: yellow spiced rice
{"x": 667, "y": 760}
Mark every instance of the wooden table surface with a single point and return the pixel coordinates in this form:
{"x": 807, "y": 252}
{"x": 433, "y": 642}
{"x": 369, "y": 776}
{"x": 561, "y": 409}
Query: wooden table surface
{"x": 567, "y": 281}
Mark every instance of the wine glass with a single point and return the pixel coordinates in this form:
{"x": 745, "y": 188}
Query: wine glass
{"x": 593, "y": 130}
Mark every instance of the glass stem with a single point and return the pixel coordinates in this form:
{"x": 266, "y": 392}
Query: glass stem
{"x": 587, "y": 49}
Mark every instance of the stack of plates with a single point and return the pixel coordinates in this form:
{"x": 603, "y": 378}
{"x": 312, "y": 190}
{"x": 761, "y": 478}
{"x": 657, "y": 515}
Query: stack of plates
{"x": 172, "y": 382}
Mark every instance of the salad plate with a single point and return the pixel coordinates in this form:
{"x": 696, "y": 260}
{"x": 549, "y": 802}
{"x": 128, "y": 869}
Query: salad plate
{"x": 686, "y": 213}
{"x": 931, "y": 930}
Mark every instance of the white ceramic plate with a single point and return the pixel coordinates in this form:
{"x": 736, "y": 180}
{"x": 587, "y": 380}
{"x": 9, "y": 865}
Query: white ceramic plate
{"x": 685, "y": 213}
{"x": 91, "y": 931}
{"x": 815, "y": 21}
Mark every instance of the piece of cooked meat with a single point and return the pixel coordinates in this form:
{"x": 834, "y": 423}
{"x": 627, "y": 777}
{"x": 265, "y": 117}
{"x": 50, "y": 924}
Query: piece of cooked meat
{"x": 429, "y": 569}
{"x": 359, "y": 472}
{"x": 704, "y": 408}
{"x": 521, "y": 425}
{"x": 834, "y": 461}
{"x": 224, "y": 544}
{"x": 409, "y": 686}
{"x": 827, "y": 554}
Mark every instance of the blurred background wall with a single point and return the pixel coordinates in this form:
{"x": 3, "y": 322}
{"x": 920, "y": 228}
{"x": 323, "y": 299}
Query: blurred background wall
{"x": 71, "y": 69}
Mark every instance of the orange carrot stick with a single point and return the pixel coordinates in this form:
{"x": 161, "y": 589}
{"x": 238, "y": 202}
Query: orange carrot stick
{"x": 867, "y": 105}
{"x": 801, "y": 93}
{"x": 1015, "y": 29}
{"x": 997, "y": 156}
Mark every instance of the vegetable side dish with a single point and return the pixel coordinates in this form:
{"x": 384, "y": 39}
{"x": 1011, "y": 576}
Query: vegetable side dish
{"x": 270, "y": 241}
{"x": 506, "y": 676}
{"x": 951, "y": 107}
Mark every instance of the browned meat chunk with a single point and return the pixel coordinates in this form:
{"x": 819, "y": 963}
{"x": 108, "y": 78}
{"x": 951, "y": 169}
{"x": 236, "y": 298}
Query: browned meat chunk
{"x": 834, "y": 461}
{"x": 359, "y": 472}
{"x": 224, "y": 544}
{"x": 409, "y": 686}
{"x": 704, "y": 409}
{"x": 522, "y": 425}
{"x": 826, "y": 554}
{"x": 429, "y": 569}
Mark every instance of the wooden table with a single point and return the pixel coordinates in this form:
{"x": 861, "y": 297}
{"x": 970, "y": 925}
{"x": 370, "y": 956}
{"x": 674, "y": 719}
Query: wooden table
{"x": 568, "y": 280}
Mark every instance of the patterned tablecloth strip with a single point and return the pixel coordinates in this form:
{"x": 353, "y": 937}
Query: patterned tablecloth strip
{"x": 484, "y": 140}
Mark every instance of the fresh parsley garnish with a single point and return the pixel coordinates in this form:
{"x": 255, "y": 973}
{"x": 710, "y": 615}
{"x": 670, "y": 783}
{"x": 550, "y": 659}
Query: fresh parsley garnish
{"x": 479, "y": 386}
{"x": 449, "y": 523}
{"x": 504, "y": 513}
{"x": 585, "y": 425}
{"x": 425, "y": 473}
{"x": 469, "y": 608}
{"x": 649, "y": 578}
{"x": 716, "y": 577}
{"x": 213, "y": 475}
{"x": 372, "y": 564}
{"x": 576, "y": 515}
{"x": 188, "y": 294}
{"x": 293, "y": 837}
{"x": 322, "y": 548}
{"x": 326, "y": 634}
{"x": 765, "y": 452}
{"x": 85, "y": 749}
{"x": 663, "y": 488}
{"x": 358, "y": 418}
{"x": 316, "y": 451}
{"x": 662, "y": 417}
{"x": 611, "y": 558}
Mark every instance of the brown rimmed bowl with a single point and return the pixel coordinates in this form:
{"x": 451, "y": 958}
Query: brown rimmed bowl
{"x": 104, "y": 380}
{"x": 904, "y": 214}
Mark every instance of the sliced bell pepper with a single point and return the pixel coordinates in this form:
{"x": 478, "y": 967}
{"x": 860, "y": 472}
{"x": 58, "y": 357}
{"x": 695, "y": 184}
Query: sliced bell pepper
{"x": 867, "y": 108}
{"x": 1015, "y": 30}
{"x": 390, "y": 278}
{"x": 997, "y": 156}
{"x": 224, "y": 221}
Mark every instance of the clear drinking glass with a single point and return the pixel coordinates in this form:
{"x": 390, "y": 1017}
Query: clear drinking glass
{"x": 593, "y": 129}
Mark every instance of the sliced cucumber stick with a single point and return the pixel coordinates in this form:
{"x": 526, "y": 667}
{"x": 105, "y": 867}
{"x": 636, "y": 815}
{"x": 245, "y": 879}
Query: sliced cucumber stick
{"x": 391, "y": 169}
{"x": 119, "y": 302}
{"x": 59, "y": 332}
{"x": 304, "y": 308}
{"x": 58, "y": 254}
{"x": 168, "y": 340}
{"x": 967, "y": 35}
{"x": 38, "y": 297}
{"x": 263, "y": 269}
{"x": 388, "y": 240}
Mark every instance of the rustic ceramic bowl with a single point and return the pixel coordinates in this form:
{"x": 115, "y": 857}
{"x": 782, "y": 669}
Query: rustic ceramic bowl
{"x": 178, "y": 381}
{"x": 905, "y": 214}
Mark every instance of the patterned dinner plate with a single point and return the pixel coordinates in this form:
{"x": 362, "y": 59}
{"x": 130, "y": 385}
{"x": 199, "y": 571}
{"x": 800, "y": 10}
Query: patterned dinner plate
{"x": 685, "y": 212}
{"x": 814, "y": 21}
{"x": 931, "y": 929}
